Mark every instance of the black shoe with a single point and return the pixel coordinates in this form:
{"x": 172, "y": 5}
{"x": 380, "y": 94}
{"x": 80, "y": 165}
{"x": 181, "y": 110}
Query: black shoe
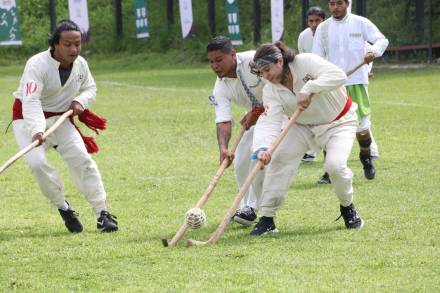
{"x": 107, "y": 222}
{"x": 265, "y": 226}
{"x": 71, "y": 220}
{"x": 308, "y": 158}
{"x": 369, "y": 170}
{"x": 245, "y": 216}
{"x": 351, "y": 217}
{"x": 325, "y": 179}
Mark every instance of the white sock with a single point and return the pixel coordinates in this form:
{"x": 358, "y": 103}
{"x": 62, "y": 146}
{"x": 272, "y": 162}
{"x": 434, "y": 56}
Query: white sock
{"x": 64, "y": 207}
{"x": 99, "y": 206}
{"x": 98, "y": 209}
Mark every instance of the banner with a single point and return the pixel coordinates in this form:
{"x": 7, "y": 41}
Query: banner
{"x": 233, "y": 22}
{"x": 79, "y": 14}
{"x": 186, "y": 17}
{"x": 277, "y": 19}
{"x": 140, "y": 12}
{"x": 349, "y": 7}
{"x": 9, "y": 25}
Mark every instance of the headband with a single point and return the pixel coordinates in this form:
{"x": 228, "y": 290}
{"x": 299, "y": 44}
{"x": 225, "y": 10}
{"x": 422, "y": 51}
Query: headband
{"x": 268, "y": 59}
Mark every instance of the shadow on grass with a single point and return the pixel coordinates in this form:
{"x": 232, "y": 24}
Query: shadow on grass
{"x": 29, "y": 232}
{"x": 302, "y": 231}
{"x": 238, "y": 235}
{"x": 308, "y": 186}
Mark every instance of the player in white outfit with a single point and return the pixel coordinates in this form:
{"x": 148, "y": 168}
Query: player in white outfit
{"x": 235, "y": 84}
{"x": 341, "y": 39}
{"x": 328, "y": 119}
{"x": 53, "y": 82}
{"x": 315, "y": 15}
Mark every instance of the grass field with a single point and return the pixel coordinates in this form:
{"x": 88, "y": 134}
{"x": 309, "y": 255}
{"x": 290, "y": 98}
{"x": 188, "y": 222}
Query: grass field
{"x": 158, "y": 156}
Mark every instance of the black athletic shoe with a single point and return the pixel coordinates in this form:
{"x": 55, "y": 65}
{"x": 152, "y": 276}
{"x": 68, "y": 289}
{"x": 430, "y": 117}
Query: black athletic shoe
{"x": 369, "y": 170}
{"x": 107, "y": 222}
{"x": 245, "y": 216}
{"x": 308, "y": 158}
{"x": 265, "y": 225}
{"x": 325, "y": 179}
{"x": 351, "y": 217}
{"x": 71, "y": 220}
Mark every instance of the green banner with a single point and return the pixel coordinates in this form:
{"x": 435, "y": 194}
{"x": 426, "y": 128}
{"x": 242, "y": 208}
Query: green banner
{"x": 140, "y": 12}
{"x": 233, "y": 22}
{"x": 9, "y": 25}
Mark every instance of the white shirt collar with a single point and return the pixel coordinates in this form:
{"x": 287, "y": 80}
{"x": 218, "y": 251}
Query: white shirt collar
{"x": 54, "y": 62}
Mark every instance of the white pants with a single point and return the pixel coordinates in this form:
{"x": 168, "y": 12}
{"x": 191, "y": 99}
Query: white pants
{"x": 243, "y": 165}
{"x": 71, "y": 147}
{"x": 336, "y": 138}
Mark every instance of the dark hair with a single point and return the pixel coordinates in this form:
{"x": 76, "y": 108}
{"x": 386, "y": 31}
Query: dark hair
{"x": 221, "y": 43}
{"x": 265, "y": 50}
{"x": 62, "y": 26}
{"x": 316, "y": 11}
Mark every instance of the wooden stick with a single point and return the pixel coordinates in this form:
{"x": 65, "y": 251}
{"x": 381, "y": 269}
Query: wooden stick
{"x": 221, "y": 228}
{"x": 179, "y": 234}
{"x": 258, "y": 166}
{"x": 350, "y": 72}
{"x": 35, "y": 143}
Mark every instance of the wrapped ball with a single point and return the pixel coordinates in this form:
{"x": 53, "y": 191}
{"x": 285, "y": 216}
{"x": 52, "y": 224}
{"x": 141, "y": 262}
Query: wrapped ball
{"x": 195, "y": 218}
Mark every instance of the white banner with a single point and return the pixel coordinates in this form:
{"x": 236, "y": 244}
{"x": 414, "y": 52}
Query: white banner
{"x": 186, "y": 17}
{"x": 79, "y": 14}
{"x": 277, "y": 19}
{"x": 349, "y": 7}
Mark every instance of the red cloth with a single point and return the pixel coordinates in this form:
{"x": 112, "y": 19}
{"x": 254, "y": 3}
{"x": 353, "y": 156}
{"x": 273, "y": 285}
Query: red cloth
{"x": 95, "y": 123}
{"x": 346, "y": 108}
{"x": 90, "y": 119}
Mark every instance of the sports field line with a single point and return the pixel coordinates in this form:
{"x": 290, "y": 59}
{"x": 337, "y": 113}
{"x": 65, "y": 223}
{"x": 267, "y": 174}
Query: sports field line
{"x": 153, "y": 88}
{"x": 175, "y": 89}
{"x": 403, "y": 104}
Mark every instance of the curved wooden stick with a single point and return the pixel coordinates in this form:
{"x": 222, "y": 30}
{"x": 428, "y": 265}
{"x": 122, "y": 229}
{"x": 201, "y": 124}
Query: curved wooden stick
{"x": 258, "y": 166}
{"x": 208, "y": 191}
{"x": 221, "y": 228}
{"x": 35, "y": 143}
{"x": 350, "y": 72}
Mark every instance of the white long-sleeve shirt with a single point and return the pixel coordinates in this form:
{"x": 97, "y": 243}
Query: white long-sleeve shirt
{"x": 305, "y": 41}
{"x": 231, "y": 90}
{"x": 311, "y": 75}
{"x": 40, "y": 89}
{"x": 342, "y": 42}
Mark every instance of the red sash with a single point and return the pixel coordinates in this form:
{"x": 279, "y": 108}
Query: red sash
{"x": 345, "y": 110}
{"x": 90, "y": 119}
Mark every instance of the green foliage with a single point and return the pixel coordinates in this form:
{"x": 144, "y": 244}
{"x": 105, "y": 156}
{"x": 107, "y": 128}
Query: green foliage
{"x": 157, "y": 157}
{"x": 396, "y": 21}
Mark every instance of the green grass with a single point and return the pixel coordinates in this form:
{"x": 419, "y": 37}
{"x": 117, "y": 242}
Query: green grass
{"x": 158, "y": 156}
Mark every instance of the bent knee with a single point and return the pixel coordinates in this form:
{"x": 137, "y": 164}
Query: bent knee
{"x": 335, "y": 167}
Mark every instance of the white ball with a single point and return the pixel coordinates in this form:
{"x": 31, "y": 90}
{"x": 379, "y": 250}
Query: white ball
{"x": 195, "y": 218}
